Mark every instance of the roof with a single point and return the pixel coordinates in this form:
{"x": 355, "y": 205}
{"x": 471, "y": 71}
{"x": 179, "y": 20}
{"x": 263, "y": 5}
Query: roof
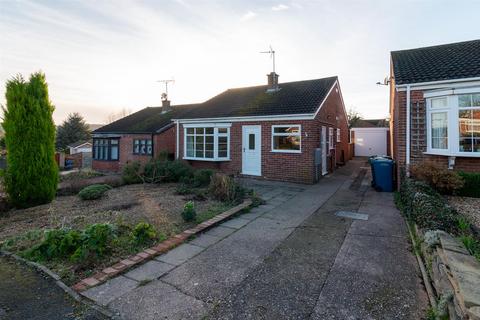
{"x": 300, "y": 97}
{"x": 78, "y": 144}
{"x": 443, "y": 62}
{"x": 94, "y": 126}
{"x": 147, "y": 120}
{"x": 370, "y": 123}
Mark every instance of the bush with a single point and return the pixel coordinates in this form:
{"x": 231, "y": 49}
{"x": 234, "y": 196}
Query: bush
{"x": 32, "y": 174}
{"x": 132, "y": 173}
{"x": 443, "y": 180}
{"x": 177, "y": 170}
{"x": 93, "y": 242}
{"x": 94, "y": 191}
{"x": 189, "y": 213}
{"x": 202, "y": 177}
{"x": 183, "y": 189}
{"x": 471, "y": 187}
{"x": 224, "y": 188}
{"x": 424, "y": 206}
{"x": 143, "y": 233}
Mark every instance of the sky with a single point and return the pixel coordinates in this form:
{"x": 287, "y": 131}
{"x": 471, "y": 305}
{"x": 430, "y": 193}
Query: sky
{"x": 102, "y": 57}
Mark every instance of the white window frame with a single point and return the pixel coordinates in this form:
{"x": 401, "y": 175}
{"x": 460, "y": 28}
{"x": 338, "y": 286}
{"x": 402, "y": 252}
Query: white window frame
{"x": 339, "y": 139}
{"x": 453, "y": 131}
{"x": 216, "y": 135}
{"x": 330, "y": 138}
{"x": 286, "y": 135}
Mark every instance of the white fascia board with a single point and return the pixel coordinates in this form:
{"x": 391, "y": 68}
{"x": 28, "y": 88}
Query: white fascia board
{"x": 463, "y": 90}
{"x": 306, "y": 116}
{"x": 372, "y": 128}
{"x": 208, "y": 124}
{"x": 106, "y": 135}
{"x": 440, "y": 84}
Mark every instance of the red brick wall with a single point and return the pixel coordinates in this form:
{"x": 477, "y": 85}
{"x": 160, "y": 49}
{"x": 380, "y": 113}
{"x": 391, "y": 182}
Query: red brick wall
{"x": 164, "y": 141}
{"x": 294, "y": 167}
{"x": 418, "y": 134}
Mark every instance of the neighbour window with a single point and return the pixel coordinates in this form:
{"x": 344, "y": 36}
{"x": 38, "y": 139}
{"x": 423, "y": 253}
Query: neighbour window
{"x": 142, "y": 146}
{"x": 330, "y": 138}
{"x": 207, "y": 143}
{"x": 338, "y": 135}
{"x": 444, "y": 114}
{"x": 105, "y": 149}
{"x": 286, "y": 138}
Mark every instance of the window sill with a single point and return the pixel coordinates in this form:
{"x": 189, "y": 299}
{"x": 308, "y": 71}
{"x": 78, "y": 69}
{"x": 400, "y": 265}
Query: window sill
{"x": 286, "y": 151}
{"x": 454, "y": 154}
{"x": 142, "y": 154}
{"x": 105, "y": 160}
{"x": 207, "y": 159}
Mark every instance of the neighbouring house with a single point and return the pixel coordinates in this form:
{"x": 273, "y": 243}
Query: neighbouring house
{"x": 140, "y": 136}
{"x": 295, "y": 131}
{"x": 370, "y": 137}
{"x": 435, "y": 106}
{"x": 80, "y": 146}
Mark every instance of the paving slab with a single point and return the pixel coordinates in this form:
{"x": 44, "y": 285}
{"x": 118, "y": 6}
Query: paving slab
{"x": 220, "y": 231}
{"x": 251, "y": 215}
{"x": 235, "y": 223}
{"x": 158, "y": 300}
{"x": 180, "y": 254}
{"x": 149, "y": 271}
{"x": 205, "y": 240}
{"x": 110, "y": 290}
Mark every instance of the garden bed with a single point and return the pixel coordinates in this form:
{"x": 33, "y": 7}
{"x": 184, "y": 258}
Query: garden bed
{"x": 469, "y": 207}
{"x": 123, "y": 207}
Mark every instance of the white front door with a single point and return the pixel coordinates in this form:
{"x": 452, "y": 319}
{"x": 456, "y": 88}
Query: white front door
{"x": 324, "y": 150}
{"x": 252, "y": 150}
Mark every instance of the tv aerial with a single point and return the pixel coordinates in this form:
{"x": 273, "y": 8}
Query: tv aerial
{"x": 272, "y": 55}
{"x": 165, "y": 94}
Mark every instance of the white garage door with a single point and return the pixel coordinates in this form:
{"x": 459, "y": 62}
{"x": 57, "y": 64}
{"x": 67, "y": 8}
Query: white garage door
{"x": 370, "y": 141}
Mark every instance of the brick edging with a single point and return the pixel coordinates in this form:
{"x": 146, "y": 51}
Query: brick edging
{"x": 154, "y": 251}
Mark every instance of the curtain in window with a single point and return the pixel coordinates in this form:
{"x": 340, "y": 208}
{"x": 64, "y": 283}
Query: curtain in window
{"x": 439, "y": 130}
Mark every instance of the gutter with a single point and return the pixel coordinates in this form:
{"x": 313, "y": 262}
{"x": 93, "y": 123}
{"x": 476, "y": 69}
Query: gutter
{"x": 177, "y": 147}
{"x": 407, "y": 135}
{"x": 418, "y": 84}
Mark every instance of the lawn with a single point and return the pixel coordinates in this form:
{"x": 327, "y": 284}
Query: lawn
{"x": 124, "y": 207}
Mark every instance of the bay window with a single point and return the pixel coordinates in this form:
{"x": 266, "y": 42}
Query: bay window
{"x": 211, "y": 143}
{"x": 105, "y": 149}
{"x": 286, "y": 138}
{"x": 453, "y": 124}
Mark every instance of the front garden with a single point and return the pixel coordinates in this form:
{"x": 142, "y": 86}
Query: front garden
{"x": 443, "y": 215}
{"x": 78, "y": 235}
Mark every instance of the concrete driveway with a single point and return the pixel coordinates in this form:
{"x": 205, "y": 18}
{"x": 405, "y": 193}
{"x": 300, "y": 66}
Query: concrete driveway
{"x": 292, "y": 258}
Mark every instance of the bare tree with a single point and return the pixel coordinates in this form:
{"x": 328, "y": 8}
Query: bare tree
{"x": 114, "y": 116}
{"x": 353, "y": 117}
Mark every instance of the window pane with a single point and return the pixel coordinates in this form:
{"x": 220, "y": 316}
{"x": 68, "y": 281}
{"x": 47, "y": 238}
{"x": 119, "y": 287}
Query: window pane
{"x": 199, "y": 146}
{"x": 439, "y": 103}
{"x": 464, "y": 100}
{"x": 209, "y": 147}
{"x": 286, "y": 142}
{"x": 142, "y": 147}
{"x": 149, "y": 149}
{"x": 114, "y": 141}
{"x": 476, "y": 123}
{"x": 251, "y": 141}
{"x": 199, "y": 130}
{"x": 287, "y": 130}
{"x": 476, "y": 100}
{"x": 114, "y": 153}
{"x": 465, "y": 123}
{"x": 222, "y": 147}
{"x": 222, "y": 130}
{"x": 476, "y": 145}
{"x": 190, "y": 130}
{"x": 136, "y": 148}
{"x": 208, "y": 130}
{"x": 469, "y": 130}
{"x": 439, "y": 130}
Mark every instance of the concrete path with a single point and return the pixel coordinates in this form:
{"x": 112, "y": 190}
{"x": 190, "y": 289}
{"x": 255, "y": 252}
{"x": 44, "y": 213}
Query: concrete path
{"x": 292, "y": 258}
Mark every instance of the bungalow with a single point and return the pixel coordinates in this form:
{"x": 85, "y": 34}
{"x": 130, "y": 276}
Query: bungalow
{"x": 294, "y": 131}
{"x": 435, "y": 106}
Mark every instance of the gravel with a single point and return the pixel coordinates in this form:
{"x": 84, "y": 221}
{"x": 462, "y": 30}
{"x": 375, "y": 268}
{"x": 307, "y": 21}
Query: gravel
{"x": 470, "y": 207}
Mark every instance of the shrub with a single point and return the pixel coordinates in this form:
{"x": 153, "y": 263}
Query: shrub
{"x": 177, "y": 170}
{"x": 32, "y": 174}
{"x": 143, "y": 233}
{"x": 183, "y": 189}
{"x": 202, "y": 177}
{"x": 471, "y": 188}
{"x": 189, "y": 213}
{"x": 131, "y": 173}
{"x": 443, "y": 180}
{"x": 224, "y": 188}
{"x": 95, "y": 191}
{"x": 423, "y": 205}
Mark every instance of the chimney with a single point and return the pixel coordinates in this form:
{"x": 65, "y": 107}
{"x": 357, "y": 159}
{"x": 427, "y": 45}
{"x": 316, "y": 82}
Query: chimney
{"x": 166, "y": 106}
{"x": 272, "y": 82}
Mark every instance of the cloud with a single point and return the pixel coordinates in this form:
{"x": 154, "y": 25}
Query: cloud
{"x": 280, "y": 7}
{"x": 248, "y": 16}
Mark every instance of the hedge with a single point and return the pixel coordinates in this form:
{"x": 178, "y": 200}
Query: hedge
{"x": 471, "y": 187}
